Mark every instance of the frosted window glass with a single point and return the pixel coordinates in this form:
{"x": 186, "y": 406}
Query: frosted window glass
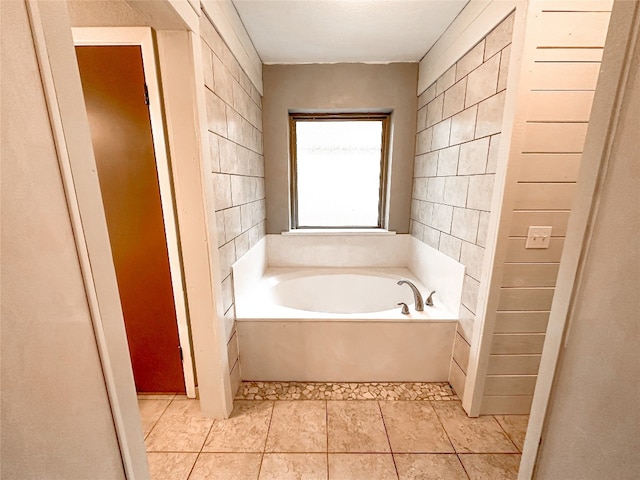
{"x": 338, "y": 173}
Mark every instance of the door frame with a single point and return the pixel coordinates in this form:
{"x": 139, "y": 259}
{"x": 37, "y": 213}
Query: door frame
{"x": 143, "y": 37}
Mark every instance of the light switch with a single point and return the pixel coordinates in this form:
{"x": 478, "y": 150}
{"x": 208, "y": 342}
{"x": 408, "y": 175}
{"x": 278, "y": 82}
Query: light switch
{"x": 538, "y": 237}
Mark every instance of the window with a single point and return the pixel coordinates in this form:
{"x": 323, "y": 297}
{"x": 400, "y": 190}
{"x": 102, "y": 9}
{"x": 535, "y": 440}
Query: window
{"x": 338, "y": 170}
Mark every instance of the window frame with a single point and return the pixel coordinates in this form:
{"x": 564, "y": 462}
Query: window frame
{"x": 294, "y": 117}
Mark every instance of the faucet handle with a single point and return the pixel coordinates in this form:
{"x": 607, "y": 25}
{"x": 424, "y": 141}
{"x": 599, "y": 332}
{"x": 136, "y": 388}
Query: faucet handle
{"x": 429, "y": 300}
{"x": 405, "y": 309}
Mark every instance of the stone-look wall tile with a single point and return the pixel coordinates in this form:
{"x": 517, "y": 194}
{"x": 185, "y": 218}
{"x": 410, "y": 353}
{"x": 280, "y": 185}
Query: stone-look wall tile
{"x": 416, "y": 229}
{"x": 228, "y": 156}
{"x": 434, "y": 110}
{"x": 247, "y": 216}
{"x": 442, "y": 216}
{"x": 492, "y": 158}
{"x": 428, "y": 95}
{"x": 214, "y": 152}
{"x": 456, "y": 161}
{"x": 435, "y": 189}
{"x": 465, "y": 224}
{"x": 220, "y": 227}
{"x": 222, "y": 191}
{"x": 423, "y": 141}
{"x": 425, "y": 212}
{"x": 472, "y": 256}
{"x": 470, "y": 289}
{"x": 242, "y": 244}
{"x": 463, "y": 126}
{"x": 223, "y": 81}
{"x": 450, "y": 246}
{"x": 455, "y": 191}
{"x": 227, "y": 293}
{"x": 480, "y": 192}
{"x": 483, "y": 229}
{"x": 234, "y": 127}
{"x": 232, "y": 223}
{"x": 472, "y": 60}
{"x": 216, "y": 115}
{"x": 242, "y": 102}
{"x": 234, "y": 120}
{"x": 420, "y": 166}
{"x": 207, "y": 65}
{"x": 431, "y": 237}
{"x": 499, "y": 37}
{"x": 420, "y": 188}
{"x": 490, "y": 112}
{"x": 473, "y": 157}
{"x": 483, "y": 81}
{"x": 421, "y": 120}
{"x": 447, "y": 79}
{"x": 227, "y": 258}
{"x": 441, "y": 135}
{"x": 448, "y": 161}
{"x": 504, "y": 68}
{"x": 454, "y": 98}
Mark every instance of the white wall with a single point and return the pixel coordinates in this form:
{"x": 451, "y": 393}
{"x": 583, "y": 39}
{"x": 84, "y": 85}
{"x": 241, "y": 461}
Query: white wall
{"x": 56, "y": 417}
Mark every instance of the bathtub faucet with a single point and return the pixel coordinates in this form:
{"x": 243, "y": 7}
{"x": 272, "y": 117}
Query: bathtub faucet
{"x": 417, "y": 298}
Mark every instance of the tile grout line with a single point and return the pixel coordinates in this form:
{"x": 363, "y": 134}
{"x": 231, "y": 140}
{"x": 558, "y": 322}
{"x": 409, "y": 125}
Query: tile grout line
{"x": 326, "y": 420}
{"x": 386, "y": 432}
{"x": 264, "y": 447}
{"x": 159, "y": 416}
{"x": 507, "y": 433}
{"x": 455, "y": 451}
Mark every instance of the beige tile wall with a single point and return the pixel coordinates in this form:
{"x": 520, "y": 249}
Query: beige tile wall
{"x": 459, "y": 122}
{"x": 234, "y": 116}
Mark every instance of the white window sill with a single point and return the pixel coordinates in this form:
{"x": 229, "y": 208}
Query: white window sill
{"x": 339, "y": 231}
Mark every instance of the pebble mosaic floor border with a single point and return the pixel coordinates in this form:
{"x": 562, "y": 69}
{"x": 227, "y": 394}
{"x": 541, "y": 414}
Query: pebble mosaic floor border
{"x": 344, "y": 391}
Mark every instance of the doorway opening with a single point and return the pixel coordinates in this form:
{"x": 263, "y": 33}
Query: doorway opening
{"x": 123, "y": 105}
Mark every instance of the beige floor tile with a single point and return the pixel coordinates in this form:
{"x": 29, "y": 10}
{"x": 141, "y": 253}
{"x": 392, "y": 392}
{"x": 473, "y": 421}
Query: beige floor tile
{"x": 298, "y": 426}
{"x": 294, "y": 466}
{"x": 361, "y": 466}
{"x": 150, "y": 412}
{"x": 413, "y": 427}
{"x": 181, "y": 428}
{"x": 429, "y": 467}
{"x": 356, "y": 426}
{"x": 171, "y": 466}
{"x": 244, "y": 431}
{"x": 472, "y": 435}
{"x": 515, "y": 426}
{"x": 491, "y": 466}
{"x": 227, "y": 466}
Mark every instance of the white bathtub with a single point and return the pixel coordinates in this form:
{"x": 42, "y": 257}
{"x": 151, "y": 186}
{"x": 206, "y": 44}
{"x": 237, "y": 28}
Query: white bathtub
{"x": 341, "y": 325}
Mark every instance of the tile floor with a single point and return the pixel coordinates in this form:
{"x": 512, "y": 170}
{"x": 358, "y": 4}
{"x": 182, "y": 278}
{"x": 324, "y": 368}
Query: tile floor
{"x": 329, "y": 439}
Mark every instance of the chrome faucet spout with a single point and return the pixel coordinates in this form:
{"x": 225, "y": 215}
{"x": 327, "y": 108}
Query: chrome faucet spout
{"x": 417, "y": 297}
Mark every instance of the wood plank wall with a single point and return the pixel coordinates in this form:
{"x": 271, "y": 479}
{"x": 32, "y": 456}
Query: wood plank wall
{"x": 559, "y": 74}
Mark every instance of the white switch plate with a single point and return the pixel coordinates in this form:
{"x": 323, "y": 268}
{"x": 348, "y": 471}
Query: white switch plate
{"x": 538, "y": 237}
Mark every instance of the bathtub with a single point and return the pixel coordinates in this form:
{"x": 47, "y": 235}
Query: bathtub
{"x": 341, "y": 325}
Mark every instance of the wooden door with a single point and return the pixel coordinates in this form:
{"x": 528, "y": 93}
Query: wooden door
{"x": 114, "y": 89}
